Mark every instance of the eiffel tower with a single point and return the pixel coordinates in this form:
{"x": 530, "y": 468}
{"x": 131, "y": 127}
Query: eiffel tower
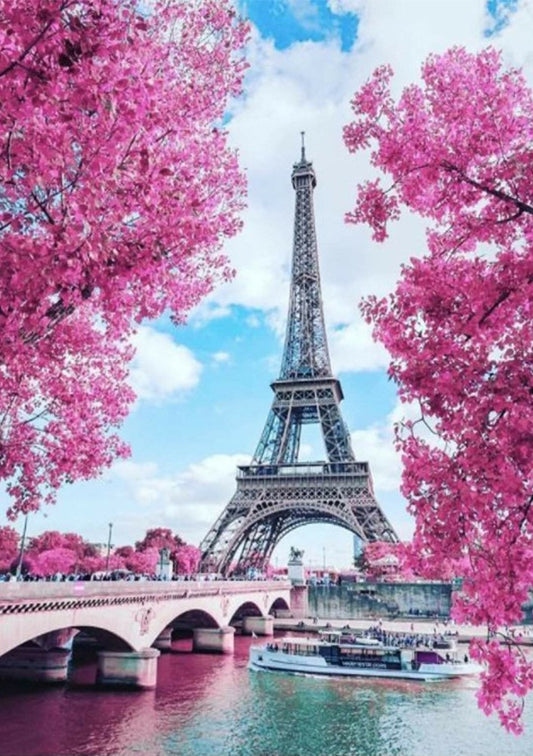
{"x": 276, "y": 493}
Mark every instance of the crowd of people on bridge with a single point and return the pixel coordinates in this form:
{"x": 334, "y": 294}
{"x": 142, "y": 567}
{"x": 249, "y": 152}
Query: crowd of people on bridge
{"x": 60, "y": 577}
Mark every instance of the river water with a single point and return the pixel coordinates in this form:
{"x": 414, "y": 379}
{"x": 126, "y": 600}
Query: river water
{"x": 208, "y": 705}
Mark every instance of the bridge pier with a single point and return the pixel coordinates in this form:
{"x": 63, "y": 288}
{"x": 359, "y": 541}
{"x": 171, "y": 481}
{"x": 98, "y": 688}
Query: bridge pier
{"x": 299, "y": 601}
{"x": 164, "y": 640}
{"x": 35, "y": 664}
{"x": 57, "y": 639}
{"x": 135, "y": 669}
{"x": 258, "y": 625}
{"x": 217, "y": 640}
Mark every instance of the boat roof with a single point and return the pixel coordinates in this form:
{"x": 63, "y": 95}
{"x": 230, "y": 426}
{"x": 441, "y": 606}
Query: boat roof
{"x": 357, "y": 639}
{"x": 304, "y": 641}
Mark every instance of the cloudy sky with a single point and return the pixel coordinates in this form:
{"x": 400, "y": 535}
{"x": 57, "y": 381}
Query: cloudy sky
{"x": 204, "y": 388}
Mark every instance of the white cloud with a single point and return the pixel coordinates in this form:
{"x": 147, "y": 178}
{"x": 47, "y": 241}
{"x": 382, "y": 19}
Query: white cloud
{"x": 353, "y": 349}
{"x": 305, "y": 12}
{"x": 161, "y": 368}
{"x": 130, "y": 471}
{"x": 220, "y": 358}
{"x": 515, "y": 38}
{"x": 376, "y": 446}
{"x": 188, "y": 502}
{"x": 206, "y": 311}
{"x": 404, "y": 33}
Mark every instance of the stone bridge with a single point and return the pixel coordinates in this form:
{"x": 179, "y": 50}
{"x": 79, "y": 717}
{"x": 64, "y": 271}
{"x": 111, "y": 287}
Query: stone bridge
{"x": 132, "y": 621}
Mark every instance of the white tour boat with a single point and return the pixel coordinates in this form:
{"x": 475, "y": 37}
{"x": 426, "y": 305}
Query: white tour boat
{"x": 336, "y": 655}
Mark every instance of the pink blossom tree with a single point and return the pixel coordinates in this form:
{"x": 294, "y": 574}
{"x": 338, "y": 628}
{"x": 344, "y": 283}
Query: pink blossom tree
{"x": 390, "y": 562}
{"x": 9, "y": 547}
{"x": 124, "y": 552}
{"x": 58, "y": 548}
{"x": 52, "y": 561}
{"x": 457, "y": 150}
{"x": 380, "y": 560}
{"x": 143, "y": 562}
{"x": 186, "y": 559}
{"x": 159, "y": 538}
{"x": 53, "y": 539}
{"x": 94, "y": 563}
{"x": 118, "y": 191}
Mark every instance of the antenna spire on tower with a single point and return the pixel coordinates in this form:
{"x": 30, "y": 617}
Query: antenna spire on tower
{"x": 303, "y": 146}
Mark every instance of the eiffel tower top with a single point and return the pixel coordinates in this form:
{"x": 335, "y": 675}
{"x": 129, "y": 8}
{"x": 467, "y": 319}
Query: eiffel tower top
{"x": 304, "y": 168}
{"x": 305, "y": 354}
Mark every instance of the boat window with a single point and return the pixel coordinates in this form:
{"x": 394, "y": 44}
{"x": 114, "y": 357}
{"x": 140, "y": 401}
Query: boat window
{"x": 358, "y": 651}
{"x": 301, "y": 649}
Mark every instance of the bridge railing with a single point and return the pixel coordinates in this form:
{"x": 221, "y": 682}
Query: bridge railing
{"x": 42, "y": 590}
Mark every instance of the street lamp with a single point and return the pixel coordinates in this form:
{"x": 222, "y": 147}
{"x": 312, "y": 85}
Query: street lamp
{"x": 21, "y": 552}
{"x": 108, "y": 547}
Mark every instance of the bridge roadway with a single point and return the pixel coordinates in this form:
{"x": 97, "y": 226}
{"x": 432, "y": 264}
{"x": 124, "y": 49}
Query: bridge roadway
{"x": 129, "y": 619}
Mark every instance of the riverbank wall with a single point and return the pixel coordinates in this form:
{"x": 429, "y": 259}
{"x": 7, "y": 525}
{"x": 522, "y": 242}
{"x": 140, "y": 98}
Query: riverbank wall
{"x": 363, "y": 600}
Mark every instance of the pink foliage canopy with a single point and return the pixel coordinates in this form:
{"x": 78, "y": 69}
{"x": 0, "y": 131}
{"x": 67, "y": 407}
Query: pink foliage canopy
{"x": 53, "y": 561}
{"x": 159, "y": 538}
{"x": 9, "y": 546}
{"x": 118, "y": 191}
{"x": 53, "y": 539}
{"x": 91, "y": 564}
{"x": 383, "y": 561}
{"x": 143, "y": 562}
{"x": 52, "y": 552}
{"x": 186, "y": 559}
{"x": 457, "y": 149}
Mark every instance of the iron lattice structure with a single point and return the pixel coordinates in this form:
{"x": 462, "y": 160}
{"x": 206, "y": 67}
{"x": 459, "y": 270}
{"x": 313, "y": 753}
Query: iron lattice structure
{"x": 276, "y": 493}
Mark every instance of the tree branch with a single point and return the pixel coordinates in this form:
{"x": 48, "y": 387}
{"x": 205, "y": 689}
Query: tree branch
{"x": 32, "y": 44}
{"x": 43, "y": 208}
{"x": 503, "y": 296}
{"x": 522, "y": 206}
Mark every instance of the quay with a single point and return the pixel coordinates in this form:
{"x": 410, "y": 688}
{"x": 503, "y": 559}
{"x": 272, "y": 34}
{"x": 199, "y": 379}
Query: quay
{"x": 522, "y": 634}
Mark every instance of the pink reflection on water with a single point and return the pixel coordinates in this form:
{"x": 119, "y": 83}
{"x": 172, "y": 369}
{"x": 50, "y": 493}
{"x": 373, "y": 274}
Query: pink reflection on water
{"x": 82, "y": 719}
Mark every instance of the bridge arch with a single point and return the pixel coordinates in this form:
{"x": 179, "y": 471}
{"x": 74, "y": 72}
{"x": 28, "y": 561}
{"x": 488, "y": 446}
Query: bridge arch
{"x": 187, "y": 619}
{"x": 103, "y": 631}
{"x": 278, "y": 605}
{"x": 197, "y": 617}
{"x": 247, "y": 609}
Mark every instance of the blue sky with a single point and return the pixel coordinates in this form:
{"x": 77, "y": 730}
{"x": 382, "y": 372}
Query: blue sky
{"x": 287, "y": 23}
{"x": 204, "y": 388}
